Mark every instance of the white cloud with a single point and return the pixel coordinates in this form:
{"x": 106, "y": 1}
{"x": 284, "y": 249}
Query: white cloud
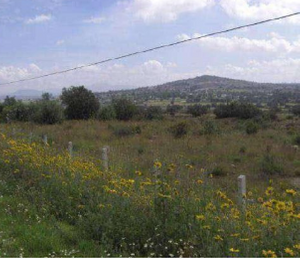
{"x": 151, "y": 72}
{"x": 153, "y": 67}
{"x": 12, "y": 73}
{"x": 60, "y": 42}
{"x": 278, "y": 70}
{"x": 261, "y": 9}
{"x": 166, "y": 10}
{"x": 275, "y": 44}
{"x": 95, "y": 20}
{"x": 39, "y": 19}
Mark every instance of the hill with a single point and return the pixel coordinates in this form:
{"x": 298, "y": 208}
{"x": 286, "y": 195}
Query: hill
{"x": 203, "y": 88}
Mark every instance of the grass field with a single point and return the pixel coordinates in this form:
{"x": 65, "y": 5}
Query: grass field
{"x": 155, "y": 199}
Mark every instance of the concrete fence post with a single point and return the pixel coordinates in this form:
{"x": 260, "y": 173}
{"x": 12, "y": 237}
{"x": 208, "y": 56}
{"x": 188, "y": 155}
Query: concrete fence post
{"x": 105, "y": 157}
{"x": 242, "y": 190}
{"x": 45, "y": 140}
{"x": 70, "y": 149}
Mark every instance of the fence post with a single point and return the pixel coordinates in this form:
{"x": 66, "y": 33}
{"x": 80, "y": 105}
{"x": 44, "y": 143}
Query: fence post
{"x": 242, "y": 190}
{"x": 105, "y": 157}
{"x": 30, "y": 137}
{"x": 70, "y": 149}
{"x": 45, "y": 140}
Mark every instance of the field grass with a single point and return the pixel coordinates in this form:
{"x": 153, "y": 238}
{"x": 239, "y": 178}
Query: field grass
{"x": 155, "y": 199}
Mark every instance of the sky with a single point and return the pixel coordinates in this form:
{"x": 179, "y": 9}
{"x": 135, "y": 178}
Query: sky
{"x": 43, "y": 36}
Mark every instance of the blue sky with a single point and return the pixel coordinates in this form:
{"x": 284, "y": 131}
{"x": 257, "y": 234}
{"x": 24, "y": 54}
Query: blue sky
{"x": 42, "y": 36}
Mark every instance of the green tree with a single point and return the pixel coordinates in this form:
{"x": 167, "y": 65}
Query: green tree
{"x": 154, "y": 113}
{"x": 9, "y": 101}
{"x": 48, "y": 112}
{"x": 107, "y": 113}
{"x": 17, "y": 112}
{"x": 197, "y": 110}
{"x": 125, "y": 109}
{"x": 81, "y": 104}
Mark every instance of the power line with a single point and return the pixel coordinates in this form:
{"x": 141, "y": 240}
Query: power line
{"x": 156, "y": 48}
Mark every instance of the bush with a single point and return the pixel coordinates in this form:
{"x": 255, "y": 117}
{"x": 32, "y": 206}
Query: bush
{"x": 153, "y": 113}
{"x": 1, "y": 108}
{"x": 125, "y": 109}
{"x": 107, "y": 113}
{"x": 237, "y": 110}
{"x": 219, "y": 172}
{"x": 124, "y": 131}
{"x": 209, "y": 128}
{"x": 18, "y": 112}
{"x": 297, "y": 140}
{"x": 48, "y": 112}
{"x": 173, "y": 109}
{"x": 197, "y": 110}
{"x": 81, "y": 104}
{"x": 270, "y": 166}
{"x": 179, "y": 130}
{"x": 10, "y": 101}
{"x": 251, "y": 128}
{"x": 296, "y": 110}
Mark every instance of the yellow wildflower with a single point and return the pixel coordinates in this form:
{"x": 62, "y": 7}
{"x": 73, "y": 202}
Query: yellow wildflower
{"x": 269, "y": 254}
{"x": 158, "y": 164}
{"x": 200, "y": 217}
{"x": 245, "y": 239}
{"x": 289, "y": 251}
{"x": 189, "y": 166}
{"x": 199, "y": 182}
{"x": 280, "y": 206}
{"x": 297, "y": 246}
{"x": 225, "y": 206}
{"x": 269, "y": 191}
{"x": 234, "y": 250}
{"x": 291, "y": 192}
{"x": 218, "y": 238}
{"x": 139, "y": 173}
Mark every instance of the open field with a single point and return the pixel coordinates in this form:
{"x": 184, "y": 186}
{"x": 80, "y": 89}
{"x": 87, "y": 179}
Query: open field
{"x": 155, "y": 199}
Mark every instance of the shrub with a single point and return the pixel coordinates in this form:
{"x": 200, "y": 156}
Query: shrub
{"x": 179, "y": 130}
{"x": 270, "y": 166}
{"x": 9, "y": 101}
{"x": 153, "y": 113}
{"x": 297, "y": 140}
{"x": 1, "y": 108}
{"x": 251, "y": 128}
{"x": 219, "y": 172}
{"x": 125, "y": 109}
{"x": 81, "y": 104}
{"x": 173, "y": 109}
{"x": 243, "y": 150}
{"x": 48, "y": 112}
{"x": 209, "y": 128}
{"x": 18, "y": 112}
{"x": 124, "y": 131}
{"x": 107, "y": 113}
{"x": 296, "y": 110}
{"x": 237, "y": 110}
{"x": 197, "y": 110}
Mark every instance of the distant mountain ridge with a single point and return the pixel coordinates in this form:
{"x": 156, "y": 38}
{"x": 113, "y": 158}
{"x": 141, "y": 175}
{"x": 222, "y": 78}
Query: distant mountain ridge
{"x": 205, "y": 82}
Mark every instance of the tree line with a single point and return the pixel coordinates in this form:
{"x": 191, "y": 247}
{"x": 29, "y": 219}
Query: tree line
{"x": 79, "y": 103}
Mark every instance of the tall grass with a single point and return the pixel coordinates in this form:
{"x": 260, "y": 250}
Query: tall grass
{"x": 162, "y": 205}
